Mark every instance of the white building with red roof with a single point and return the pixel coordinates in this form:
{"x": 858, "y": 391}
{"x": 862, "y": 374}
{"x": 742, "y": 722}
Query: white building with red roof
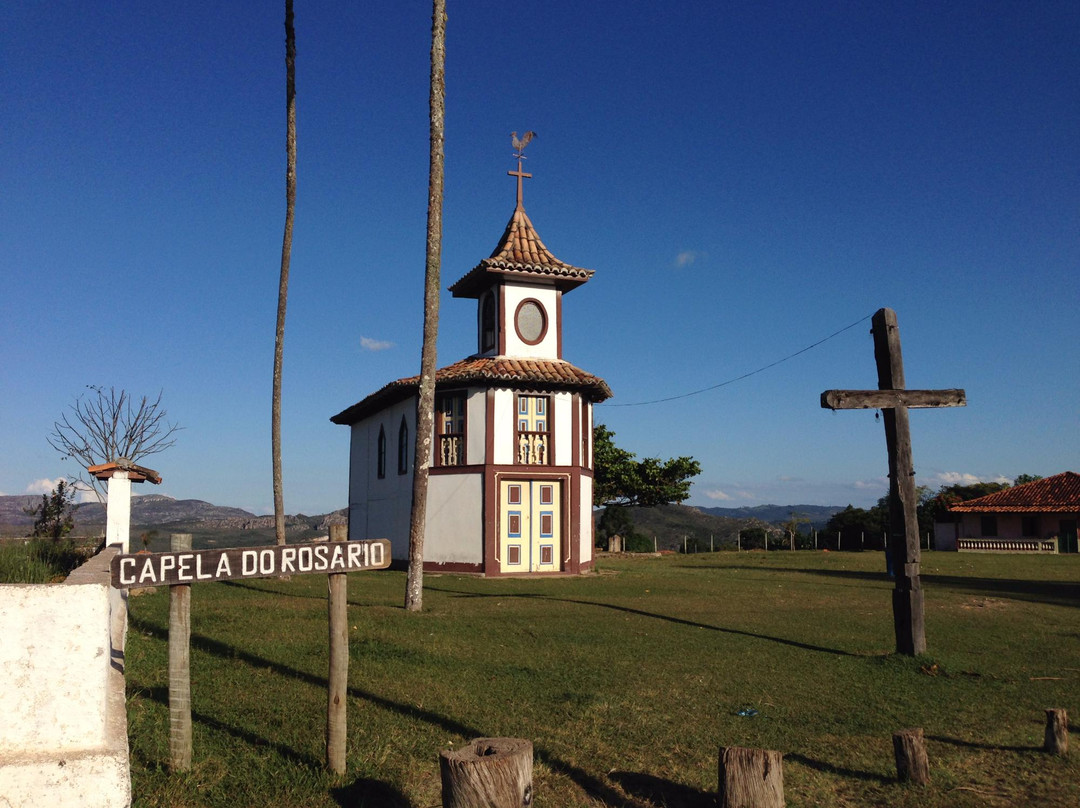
{"x": 510, "y": 484}
{"x": 1040, "y": 516}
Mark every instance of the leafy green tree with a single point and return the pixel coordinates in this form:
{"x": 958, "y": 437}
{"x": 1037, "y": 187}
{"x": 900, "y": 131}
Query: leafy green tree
{"x": 857, "y": 527}
{"x": 1026, "y": 478}
{"x": 620, "y": 480}
{"x": 53, "y": 517}
{"x": 935, "y": 508}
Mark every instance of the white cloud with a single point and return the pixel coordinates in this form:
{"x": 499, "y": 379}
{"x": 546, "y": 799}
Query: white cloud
{"x": 369, "y": 344}
{"x": 44, "y": 485}
{"x": 718, "y": 495}
{"x": 873, "y": 484}
{"x": 962, "y": 478}
{"x": 686, "y": 258}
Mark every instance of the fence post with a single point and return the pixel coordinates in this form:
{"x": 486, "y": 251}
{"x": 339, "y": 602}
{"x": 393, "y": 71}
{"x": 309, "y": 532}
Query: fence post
{"x": 909, "y": 748}
{"x": 180, "y": 666}
{"x": 750, "y": 778}
{"x": 337, "y": 681}
{"x": 1056, "y": 737}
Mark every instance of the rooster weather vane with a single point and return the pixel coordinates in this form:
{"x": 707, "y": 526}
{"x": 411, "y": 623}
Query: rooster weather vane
{"x": 519, "y": 146}
{"x": 521, "y": 143}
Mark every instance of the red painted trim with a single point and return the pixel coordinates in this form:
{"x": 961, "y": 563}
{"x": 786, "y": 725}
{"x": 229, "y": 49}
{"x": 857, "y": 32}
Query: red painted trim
{"x": 543, "y": 314}
{"x": 500, "y": 321}
{"x": 440, "y": 471}
{"x": 558, "y": 323}
{"x": 575, "y": 430}
{"x": 490, "y": 521}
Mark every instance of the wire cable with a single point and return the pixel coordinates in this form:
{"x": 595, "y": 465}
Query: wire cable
{"x": 745, "y": 375}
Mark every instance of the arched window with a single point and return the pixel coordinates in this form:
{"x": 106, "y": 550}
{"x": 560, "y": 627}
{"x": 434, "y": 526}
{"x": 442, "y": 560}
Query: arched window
{"x": 403, "y": 447}
{"x": 487, "y": 322}
{"x": 381, "y": 467}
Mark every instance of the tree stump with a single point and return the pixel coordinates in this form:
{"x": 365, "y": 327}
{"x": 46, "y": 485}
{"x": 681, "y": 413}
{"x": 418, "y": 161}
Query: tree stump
{"x": 912, "y": 765}
{"x": 488, "y": 773}
{"x": 1056, "y": 740}
{"x": 750, "y": 778}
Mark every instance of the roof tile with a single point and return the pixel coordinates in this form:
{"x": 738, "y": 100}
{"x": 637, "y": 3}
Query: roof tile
{"x": 1057, "y": 494}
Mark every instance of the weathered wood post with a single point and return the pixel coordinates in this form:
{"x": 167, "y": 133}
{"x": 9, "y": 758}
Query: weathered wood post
{"x": 180, "y": 666}
{"x": 1056, "y": 738}
{"x": 894, "y": 400}
{"x": 488, "y": 773}
{"x": 338, "y": 679}
{"x": 750, "y": 778}
{"x": 909, "y": 748}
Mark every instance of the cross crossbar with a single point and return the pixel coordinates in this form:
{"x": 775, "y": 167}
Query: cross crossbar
{"x": 891, "y": 399}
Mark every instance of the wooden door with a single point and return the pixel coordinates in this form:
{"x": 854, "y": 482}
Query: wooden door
{"x": 530, "y": 526}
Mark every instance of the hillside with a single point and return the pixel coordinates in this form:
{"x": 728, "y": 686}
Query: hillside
{"x": 670, "y": 524}
{"x": 156, "y": 512}
{"x": 817, "y": 515}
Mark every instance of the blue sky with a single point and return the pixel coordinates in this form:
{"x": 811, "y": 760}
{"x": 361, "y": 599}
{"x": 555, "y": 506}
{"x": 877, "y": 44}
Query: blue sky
{"x": 746, "y": 178}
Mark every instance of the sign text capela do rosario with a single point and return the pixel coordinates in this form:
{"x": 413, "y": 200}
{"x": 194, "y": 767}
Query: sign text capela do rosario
{"x": 130, "y": 571}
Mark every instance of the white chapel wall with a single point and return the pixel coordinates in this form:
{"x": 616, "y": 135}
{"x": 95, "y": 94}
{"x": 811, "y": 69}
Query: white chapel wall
{"x": 548, "y": 347}
{"x": 585, "y": 520}
{"x": 562, "y": 405}
{"x": 379, "y": 508}
{"x": 455, "y": 514}
{"x": 475, "y": 426}
{"x": 503, "y": 428}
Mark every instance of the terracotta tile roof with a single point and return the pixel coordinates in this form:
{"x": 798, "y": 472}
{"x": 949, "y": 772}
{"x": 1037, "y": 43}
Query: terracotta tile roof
{"x": 1057, "y": 494}
{"x": 532, "y": 374}
{"x": 137, "y": 474}
{"x": 522, "y": 254}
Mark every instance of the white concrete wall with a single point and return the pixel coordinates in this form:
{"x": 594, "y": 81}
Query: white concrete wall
{"x": 563, "y": 427}
{"x": 503, "y": 413}
{"x": 63, "y": 736}
{"x": 475, "y": 427}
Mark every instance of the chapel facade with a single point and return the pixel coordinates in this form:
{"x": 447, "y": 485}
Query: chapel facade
{"x": 510, "y": 483}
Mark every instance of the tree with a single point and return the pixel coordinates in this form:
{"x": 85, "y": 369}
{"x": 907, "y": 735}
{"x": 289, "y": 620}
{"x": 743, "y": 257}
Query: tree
{"x": 106, "y": 426}
{"x": 620, "y": 480}
{"x": 1021, "y": 479}
{"x": 54, "y": 518}
{"x": 286, "y": 256}
{"x": 936, "y": 508}
{"x": 425, "y": 401}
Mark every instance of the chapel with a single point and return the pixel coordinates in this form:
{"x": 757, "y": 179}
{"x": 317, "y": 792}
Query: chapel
{"x": 510, "y": 482}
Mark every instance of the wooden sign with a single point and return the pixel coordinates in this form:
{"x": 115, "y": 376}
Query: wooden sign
{"x": 135, "y": 570}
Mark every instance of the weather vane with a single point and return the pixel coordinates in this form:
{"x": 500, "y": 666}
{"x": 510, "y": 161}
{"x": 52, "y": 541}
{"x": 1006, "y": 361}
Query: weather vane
{"x": 519, "y": 147}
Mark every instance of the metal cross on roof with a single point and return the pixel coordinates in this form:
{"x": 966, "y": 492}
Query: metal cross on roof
{"x": 520, "y": 176}
{"x": 519, "y": 147}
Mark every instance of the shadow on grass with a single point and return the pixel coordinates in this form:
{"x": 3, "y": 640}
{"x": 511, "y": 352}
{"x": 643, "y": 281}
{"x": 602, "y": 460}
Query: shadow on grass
{"x": 829, "y": 768}
{"x": 367, "y": 793}
{"x": 270, "y": 590}
{"x": 976, "y": 745}
{"x": 161, "y": 696}
{"x": 663, "y": 792}
{"x": 642, "y": 613}
{"x": 1059, "y": 593}
{"x": 591, "y": 785}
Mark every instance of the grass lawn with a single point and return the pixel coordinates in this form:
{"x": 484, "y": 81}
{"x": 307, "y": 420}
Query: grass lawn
{"x": 626, "y": 682}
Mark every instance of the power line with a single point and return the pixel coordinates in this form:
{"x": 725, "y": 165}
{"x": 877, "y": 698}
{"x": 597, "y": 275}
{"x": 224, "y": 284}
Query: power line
{"x": 745, "y": 375}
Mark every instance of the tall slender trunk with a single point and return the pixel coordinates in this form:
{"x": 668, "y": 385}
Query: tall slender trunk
{"x": 286, "y": 255}
{"x": 425, "y": 404}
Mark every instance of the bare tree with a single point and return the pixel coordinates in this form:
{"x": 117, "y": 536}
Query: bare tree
{"x": 108, "y": 425}
{"x": 286, "y": 256}
{"x": 425, "y": 403}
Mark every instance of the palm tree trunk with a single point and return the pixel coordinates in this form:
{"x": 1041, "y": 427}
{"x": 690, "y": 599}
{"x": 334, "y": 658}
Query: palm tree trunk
{"x": 286, "y": 255}
{"x": 425, "y": 404}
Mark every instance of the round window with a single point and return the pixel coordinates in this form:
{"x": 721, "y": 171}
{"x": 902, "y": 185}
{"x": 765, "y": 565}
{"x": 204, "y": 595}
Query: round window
{"x": 531, "y": 321}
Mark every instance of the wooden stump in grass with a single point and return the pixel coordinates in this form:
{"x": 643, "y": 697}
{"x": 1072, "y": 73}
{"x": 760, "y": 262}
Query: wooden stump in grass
{"x": 912, "y": 765}
{"x": 488, "y": 773}
{"x": 1056, "y": 740}
{"x": 750, "y": 778}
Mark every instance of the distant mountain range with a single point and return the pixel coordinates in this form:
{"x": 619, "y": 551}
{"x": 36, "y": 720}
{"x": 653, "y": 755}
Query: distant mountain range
{"x": 159, "y": 511}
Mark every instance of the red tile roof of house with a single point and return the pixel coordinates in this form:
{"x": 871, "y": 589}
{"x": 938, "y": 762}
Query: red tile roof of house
{"x": 521, "y": 254}
{"x": 531, "y": 374}
{"x": 1057, "y": 494}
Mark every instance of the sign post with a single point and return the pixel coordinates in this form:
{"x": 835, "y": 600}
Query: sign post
{"x": 183, "y": 566}
{"x": 894, "y": 401}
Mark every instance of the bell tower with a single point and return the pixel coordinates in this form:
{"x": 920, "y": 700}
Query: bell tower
{"x": 519, "y": 290}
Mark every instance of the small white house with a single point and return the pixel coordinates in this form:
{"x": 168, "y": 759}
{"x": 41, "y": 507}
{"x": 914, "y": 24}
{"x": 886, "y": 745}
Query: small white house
{"x": 510, "y": 485}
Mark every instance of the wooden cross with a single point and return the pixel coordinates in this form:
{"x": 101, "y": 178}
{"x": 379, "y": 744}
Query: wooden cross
{"x": 894, "y": 401}
{"x": 520, "y": 176}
